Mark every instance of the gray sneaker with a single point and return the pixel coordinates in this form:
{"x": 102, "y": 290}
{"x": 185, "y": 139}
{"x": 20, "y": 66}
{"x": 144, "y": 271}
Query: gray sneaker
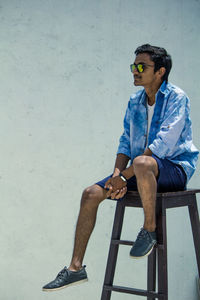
{"x": 66, "y": 278}
{"x": 144, "y": 244}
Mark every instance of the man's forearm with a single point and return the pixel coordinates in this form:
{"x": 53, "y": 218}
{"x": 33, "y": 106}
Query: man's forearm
{"x": 120, "y": 163}
{"x": 128, "y": 173}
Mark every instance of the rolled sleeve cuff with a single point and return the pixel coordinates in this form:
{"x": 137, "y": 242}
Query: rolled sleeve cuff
{"x": 159, "y": 148}
{"x": 124, "y": 151}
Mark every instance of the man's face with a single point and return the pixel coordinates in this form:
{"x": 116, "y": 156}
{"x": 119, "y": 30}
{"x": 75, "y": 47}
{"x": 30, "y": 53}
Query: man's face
{"x": 147, "y": 78}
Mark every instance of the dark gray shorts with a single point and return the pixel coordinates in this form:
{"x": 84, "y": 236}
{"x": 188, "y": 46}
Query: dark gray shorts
{"x": 171, "y": 177}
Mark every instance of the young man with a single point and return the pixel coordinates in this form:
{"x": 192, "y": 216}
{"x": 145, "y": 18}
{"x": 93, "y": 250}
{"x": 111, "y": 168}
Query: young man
{"x": 157, "y": 139}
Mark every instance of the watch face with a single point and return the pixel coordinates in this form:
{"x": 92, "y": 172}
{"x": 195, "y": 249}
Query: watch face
{"x": 123, "y": 178}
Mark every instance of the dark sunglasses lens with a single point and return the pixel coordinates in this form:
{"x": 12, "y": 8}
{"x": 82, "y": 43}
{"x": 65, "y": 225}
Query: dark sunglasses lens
{"x": 132, "y": 68}
{"x": 140, "y": 68}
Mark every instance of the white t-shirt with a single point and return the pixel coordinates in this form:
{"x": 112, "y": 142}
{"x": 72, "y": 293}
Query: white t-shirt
{"x": 150, "y": 109}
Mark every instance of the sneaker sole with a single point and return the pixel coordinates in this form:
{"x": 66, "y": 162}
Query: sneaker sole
{"x": 148, "y": 253}
{"x": 65, "y": 286}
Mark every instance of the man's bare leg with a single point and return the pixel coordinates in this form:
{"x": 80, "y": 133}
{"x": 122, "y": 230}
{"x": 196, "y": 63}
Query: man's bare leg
{"x": 91, "y": 198}
{"x": 90, "y": 201}
{"x": 146, "y": 171}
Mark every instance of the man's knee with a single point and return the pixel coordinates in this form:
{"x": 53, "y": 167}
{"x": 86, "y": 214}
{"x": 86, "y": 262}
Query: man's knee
{"x": 144, "y": 163}
{"x": 92, "y": 195}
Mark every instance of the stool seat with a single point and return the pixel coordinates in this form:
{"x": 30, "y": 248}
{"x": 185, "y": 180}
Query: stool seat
{"x": 159, "y": 254}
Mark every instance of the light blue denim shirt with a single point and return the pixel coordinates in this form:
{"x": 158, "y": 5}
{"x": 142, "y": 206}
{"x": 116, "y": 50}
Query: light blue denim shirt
{"x": 170, "y": 134}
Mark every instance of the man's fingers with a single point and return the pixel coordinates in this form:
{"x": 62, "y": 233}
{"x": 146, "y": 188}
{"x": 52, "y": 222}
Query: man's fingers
{"x": 124, "y": 191}
{"x": 114, "y": 195}
{"x": 109, "y": 193}
{"x": 121, "y": 193}
{"x": 118, "y": 194}
{"x": 107, "y": 183}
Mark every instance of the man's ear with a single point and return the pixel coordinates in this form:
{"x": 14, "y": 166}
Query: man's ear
{"x": 161, "y": 71}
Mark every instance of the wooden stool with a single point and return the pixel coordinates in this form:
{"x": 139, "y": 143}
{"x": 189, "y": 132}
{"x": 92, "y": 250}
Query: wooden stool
{"x": 164, "y": 201}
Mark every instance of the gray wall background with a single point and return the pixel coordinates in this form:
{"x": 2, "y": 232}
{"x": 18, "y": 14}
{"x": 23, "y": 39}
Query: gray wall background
{"x": 65, "y": 84}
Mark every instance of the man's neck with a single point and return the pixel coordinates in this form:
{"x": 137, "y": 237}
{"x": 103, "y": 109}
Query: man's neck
{"x": 151, "y": 93}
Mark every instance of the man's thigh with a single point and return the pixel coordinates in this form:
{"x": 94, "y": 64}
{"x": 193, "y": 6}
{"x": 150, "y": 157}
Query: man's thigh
{"x": 171, "y": 177}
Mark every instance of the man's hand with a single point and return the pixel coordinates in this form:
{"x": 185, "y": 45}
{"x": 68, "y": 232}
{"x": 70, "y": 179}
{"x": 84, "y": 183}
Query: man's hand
{"x": 114, "y": 184}
{"x": 118, "y": 194}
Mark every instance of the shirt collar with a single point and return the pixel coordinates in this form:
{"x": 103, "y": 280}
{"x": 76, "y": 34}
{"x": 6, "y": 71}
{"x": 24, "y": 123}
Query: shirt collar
{"x": 163, "y": 89}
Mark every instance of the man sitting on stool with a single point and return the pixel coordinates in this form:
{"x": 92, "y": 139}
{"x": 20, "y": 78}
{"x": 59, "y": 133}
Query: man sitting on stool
{"x": 157, "y": 138}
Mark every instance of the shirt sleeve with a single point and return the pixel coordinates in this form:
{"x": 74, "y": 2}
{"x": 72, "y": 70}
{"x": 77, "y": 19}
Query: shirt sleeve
{"x": 124, "y": 141}
{"x": 171, "y": 127}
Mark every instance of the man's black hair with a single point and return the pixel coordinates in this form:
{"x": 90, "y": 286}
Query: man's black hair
{"x": 159, "y": 56}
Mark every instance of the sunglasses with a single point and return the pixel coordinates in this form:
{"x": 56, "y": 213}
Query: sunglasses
{"x": 140, "y": 67}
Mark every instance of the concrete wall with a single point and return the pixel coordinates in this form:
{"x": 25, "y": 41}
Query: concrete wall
{"x": 65, "y": 83}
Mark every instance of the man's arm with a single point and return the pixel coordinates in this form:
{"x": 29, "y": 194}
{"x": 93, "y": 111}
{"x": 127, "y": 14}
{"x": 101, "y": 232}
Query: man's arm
{"x": 171, "y": 127}
{"x": 123, "y": 156}
{"x": 120, "y": 163}
{"x": 124, "y": 141}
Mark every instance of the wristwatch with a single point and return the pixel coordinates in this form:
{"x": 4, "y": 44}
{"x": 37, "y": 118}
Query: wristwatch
{"x": 122, "y": 177}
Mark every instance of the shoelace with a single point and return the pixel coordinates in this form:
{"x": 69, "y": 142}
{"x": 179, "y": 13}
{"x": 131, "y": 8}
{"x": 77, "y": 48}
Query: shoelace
{"x": 62, "y": 272}
{"x": 143, "y": 234}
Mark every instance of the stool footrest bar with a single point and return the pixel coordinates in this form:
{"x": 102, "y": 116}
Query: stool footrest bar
{"x": 122, "y": 242}
{"x": 131, "y": 243}
{"x": 139, "y": 292}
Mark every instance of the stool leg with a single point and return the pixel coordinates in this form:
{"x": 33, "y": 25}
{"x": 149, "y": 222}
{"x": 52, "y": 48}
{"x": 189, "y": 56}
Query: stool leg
{"x": 113, "y": 251}
{"x": 195, "y": 223}
{"x": 162, "y": 253}
{"x": 151, "y": 272}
